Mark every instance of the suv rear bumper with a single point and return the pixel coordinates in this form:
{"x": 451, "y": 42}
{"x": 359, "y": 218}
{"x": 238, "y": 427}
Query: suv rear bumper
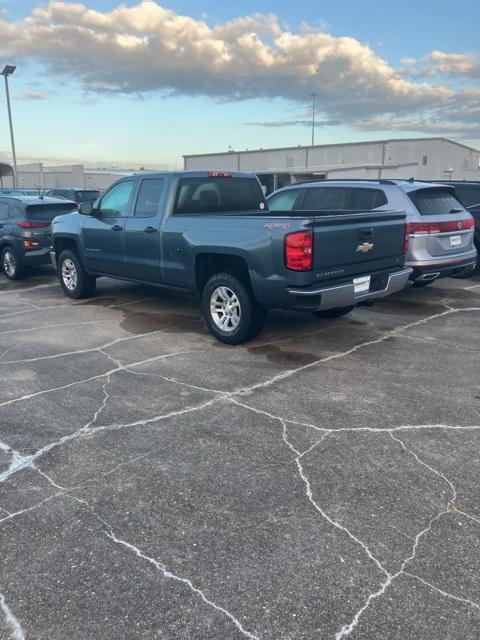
{"x": 441, "y": 268}
{"x": 344, "y": 295}
{"x": 35, "y": 258}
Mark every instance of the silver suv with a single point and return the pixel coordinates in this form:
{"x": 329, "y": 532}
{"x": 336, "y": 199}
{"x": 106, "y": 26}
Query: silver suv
{"x": 441, "y": 230}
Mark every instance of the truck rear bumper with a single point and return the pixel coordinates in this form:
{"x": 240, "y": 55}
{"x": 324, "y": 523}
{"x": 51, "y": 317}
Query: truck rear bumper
{"x": 344, "y": 295}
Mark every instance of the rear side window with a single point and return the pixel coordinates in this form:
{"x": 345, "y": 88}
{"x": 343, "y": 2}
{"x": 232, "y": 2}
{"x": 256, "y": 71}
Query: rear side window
{"x": 469, "y": 195}
{"x": 435, "y": 201}
{"x": 218, "y": 195}
{"x": 86, "y": 196}
{"x": 284, "y": 201}
{"x": 46, "y": 211}
{"x": 325, "y": 199}
{"x": 367, "y": 199}
{"x": 148, "y": 199}
{"x": 3, "y": 210}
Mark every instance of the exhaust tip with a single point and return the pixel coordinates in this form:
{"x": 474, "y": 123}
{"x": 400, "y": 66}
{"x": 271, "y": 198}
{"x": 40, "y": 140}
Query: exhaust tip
{"x": 427, "y": 277}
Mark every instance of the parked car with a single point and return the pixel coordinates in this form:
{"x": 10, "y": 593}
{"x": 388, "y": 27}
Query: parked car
{"x": 441, "y": 230}
{"x": 76, "y": 195}
{"x": 469, "y": 195}
{"x": 211, "y": 233}
{"x": 20, "y": 192}
{"x": 25, "y": 225}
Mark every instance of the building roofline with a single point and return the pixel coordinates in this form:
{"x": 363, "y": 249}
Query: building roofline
{"x": 337, "y": 144}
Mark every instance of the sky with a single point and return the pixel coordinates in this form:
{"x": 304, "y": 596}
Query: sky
{"x": 130, "y": 84}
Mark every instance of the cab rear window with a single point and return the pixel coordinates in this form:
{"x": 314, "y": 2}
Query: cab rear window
{"x": 48, "y": 211}
{"x": 218, "y": 195}
{"x": 435, "y": 201}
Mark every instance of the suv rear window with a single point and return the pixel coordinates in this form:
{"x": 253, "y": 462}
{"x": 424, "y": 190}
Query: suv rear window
{"x": 48, "y": 211}
{"x": 435, "y": 201}
{"x": 219, "y": 195}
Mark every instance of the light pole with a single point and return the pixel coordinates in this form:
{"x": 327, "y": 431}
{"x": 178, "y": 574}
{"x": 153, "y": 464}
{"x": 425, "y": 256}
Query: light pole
{"x": 8, "y": 71}
{"x": 313, "y": 96}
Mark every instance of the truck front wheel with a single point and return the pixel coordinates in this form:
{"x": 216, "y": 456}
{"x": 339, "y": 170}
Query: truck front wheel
{"x": 230, "y": 309}
{"x": 76, "y": 282}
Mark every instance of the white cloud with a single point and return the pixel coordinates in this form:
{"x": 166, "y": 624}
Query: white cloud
{"x": 453, "y": 64}
{"x": 148, "y": 48}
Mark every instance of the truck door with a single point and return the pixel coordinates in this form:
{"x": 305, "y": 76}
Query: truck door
{"x": 142, "y": 232}
{"x": 103, "y": 233}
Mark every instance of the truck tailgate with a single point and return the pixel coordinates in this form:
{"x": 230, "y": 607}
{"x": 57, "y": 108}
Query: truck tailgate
{"x": 357, "y": 242}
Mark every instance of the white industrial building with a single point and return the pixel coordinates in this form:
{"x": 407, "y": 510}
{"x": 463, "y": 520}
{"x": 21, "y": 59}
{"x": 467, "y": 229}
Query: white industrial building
{"x": 422, "y": 158}
{"x": 48, "y": 177}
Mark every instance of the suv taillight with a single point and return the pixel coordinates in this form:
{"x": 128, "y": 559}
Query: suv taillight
{"x": 406, "y": 240}
{"x": 451, "y": 226}
{"x": 28, "y": 224}
{"x": 299, "y": 251}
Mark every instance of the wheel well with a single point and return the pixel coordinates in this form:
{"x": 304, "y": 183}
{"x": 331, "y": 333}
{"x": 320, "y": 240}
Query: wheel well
{"x": 207, "y": 264}
{"x": 60, "y": 244}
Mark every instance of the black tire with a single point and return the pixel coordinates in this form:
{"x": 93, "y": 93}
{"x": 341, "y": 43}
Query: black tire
{"x": 418, "y": 284}
{"x": 246, "y": 318}
{"x": 10, "y": 263}
{"x": 337, "y": 312}
{"x": 74, "y": 280}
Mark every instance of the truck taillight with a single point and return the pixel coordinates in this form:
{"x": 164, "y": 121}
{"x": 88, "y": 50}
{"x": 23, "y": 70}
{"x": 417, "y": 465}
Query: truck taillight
{"x": 406, "y": 240}
{"x": 299, "y": 251}
{"x": 451, "y": 226}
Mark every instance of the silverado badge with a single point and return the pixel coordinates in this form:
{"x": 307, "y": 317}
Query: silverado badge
{"x": 365, "y": 247}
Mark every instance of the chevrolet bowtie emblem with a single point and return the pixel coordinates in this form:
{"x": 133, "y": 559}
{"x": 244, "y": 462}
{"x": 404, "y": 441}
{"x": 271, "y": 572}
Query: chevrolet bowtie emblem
{"x": 365, "y": 247}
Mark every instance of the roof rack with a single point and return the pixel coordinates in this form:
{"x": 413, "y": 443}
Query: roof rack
{"x": 374, "y": 180}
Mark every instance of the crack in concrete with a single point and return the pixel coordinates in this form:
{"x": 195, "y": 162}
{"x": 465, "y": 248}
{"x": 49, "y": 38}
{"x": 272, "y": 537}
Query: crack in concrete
{"x": 17, "y": 632}
{"x": 168, "y": 574}
{"x": 442, "y": 592}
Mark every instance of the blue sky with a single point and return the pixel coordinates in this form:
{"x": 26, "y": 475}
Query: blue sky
{"x": 129, "y": 104}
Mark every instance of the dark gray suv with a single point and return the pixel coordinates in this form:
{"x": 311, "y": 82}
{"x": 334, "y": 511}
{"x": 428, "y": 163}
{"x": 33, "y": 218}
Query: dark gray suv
{"x": 25, "y": 228}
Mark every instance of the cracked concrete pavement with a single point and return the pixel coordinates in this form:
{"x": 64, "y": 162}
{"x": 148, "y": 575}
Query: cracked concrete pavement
{"x": 319, "y": 482}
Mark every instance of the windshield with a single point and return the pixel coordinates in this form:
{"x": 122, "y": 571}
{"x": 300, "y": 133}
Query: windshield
{"x": 435, "y": 201}
{"x": 219, "y": 195}
{"x": 48, "y": 211}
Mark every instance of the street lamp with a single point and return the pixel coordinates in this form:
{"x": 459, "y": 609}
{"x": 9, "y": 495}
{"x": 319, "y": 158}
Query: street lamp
{"x": 8, "y": 71}
{"x": 313, "y": 96}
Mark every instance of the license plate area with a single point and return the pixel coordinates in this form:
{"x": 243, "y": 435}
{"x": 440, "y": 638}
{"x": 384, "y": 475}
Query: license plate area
{"x": 361, "y": 285}
{"x": 455, "y": 241}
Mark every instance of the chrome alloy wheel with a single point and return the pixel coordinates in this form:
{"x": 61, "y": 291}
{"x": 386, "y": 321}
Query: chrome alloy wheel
{"x": 225, "y": 309}
{"x": 69, "y": 274}
{"x": 9, "y": 262}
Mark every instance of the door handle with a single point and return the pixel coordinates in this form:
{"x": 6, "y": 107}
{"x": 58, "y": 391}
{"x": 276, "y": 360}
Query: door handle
{"x": 150, "y": 230}
{"x": 117, "y": 227}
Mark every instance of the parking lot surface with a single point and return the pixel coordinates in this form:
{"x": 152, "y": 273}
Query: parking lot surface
{"x": 319, "y": 482}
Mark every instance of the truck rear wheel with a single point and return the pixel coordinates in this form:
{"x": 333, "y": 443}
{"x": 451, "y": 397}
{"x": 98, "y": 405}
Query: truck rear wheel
{"x": 333, "y": 313}
{"x": 230, "y": 309}
{"x": 74, "y": 279}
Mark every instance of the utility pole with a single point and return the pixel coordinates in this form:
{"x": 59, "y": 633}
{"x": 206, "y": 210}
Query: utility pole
{"x": 314, "y": 96}
{"x": 8, "y": 71}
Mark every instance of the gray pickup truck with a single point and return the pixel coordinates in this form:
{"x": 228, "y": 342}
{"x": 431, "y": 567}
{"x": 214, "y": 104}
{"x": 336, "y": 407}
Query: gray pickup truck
{"x": 211, "y": 233}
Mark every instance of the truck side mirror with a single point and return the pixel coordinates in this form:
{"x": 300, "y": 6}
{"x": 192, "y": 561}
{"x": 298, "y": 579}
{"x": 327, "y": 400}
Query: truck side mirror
{"x": 86, "y": 208}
